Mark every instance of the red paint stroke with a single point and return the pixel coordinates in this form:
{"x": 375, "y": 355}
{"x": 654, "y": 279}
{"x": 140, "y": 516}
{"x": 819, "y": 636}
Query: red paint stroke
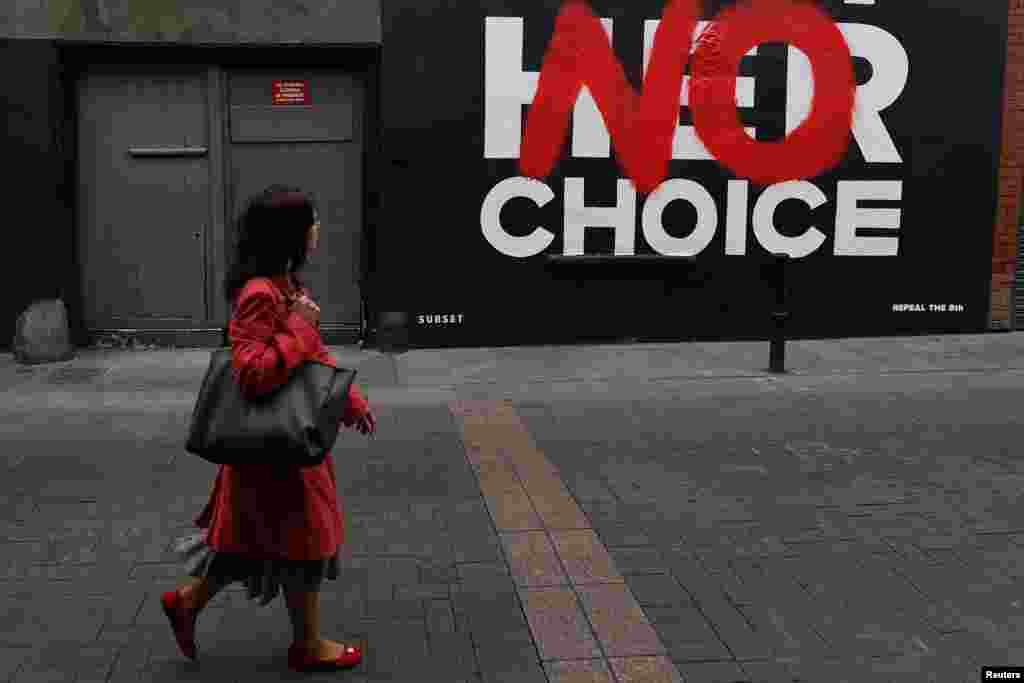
{"x": 642, "y": 127}
{"x": 580, "y": 54}
{"x": 821, "y": 141}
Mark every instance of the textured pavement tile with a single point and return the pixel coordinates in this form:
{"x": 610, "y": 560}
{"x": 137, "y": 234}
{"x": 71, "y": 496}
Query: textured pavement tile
{"x": 77, "y": 549}
{"x": 476, "y": 572}
{"x": 887, "y": 587}
{"x": 498, "y": 475}
{"x": 785, "y": 615}
{"x": 12, "y": 659}
{"x": 467, "y": 516}
{"x": 17, "y": 557}
{"x": 513, "y": 650}
{"x": 513, "y": 511}
{"x": 396, "y": 649}
{"x": 532, "y": 559}
{"x": 973, "y": 646}
{"x": 481, "y": 547}
{"x": 121, "y": 608}
{"x": 584, "y": 557}
{"x": 785, "y": 633}
{"x": 440, "y": 617}
{"x": 692, "y": 577}
{"x": 767, "y": 672}
{"x": 157, "y": 573}
{"x": 85, "y": 579}
{"x": 585, "y": 488}
{"x": 24, "y": 618}
{"x": 558, "y": 626}
{"x": 638, "y": 561}
{"x": 579, "y": 671}
{"x": 687, "y": 634}
{"x": 619, "y": 621}
{"x": 622, "y": 536}
{"x": 128, "y": 665}
{"x": 556, "y": 507}
{"x": 433, "y": 572}
{"x": 162, "y": 669}
{"x": 646, "y": 670}
{"x": 602, "y": 513}
{"x": 455, "y": 652}
{"x": 423, "y": 592}
{"x": 658, "y": 590}
{"x": 486, "y": 613}
{"x": 712, "y": 672}
{"x": 921, "y": 668}
{"x": 525, "y": 672}
{"x": 394, "y": 609}
{"x": 813, "y": 670}
{"x": 741, "y": 640}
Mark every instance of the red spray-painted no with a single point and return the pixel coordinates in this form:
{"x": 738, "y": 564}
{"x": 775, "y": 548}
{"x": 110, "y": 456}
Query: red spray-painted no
{"x": 642, "y": 127}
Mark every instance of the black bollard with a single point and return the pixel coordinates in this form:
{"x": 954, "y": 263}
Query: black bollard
{"x": 777, "y": 350}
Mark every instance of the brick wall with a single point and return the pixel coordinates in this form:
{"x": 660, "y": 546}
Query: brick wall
{"x": 1010, "y": 166}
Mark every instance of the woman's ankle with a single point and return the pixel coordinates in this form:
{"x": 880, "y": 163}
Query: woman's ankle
{"x": 311, "y": 646}
{"x": 192, "y": 596}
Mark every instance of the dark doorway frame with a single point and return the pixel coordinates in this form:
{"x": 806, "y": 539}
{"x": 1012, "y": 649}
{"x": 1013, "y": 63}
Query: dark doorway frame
{"x": 360, "y": 60}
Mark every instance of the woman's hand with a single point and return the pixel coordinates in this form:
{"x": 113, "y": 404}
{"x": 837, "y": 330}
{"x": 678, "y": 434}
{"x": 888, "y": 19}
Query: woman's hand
{"x": 367, "y": 424}
{"x": 307, "y": 308}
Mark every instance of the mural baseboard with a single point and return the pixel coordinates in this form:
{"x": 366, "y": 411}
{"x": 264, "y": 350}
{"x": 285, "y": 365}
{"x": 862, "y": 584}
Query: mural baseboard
{"x": 208, "y": 338}
{"x": 136, "y": 339}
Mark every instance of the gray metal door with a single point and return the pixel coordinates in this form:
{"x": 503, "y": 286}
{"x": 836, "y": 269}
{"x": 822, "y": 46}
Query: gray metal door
{"x": 316, "y": 145}
{"x": 144, "y": 202}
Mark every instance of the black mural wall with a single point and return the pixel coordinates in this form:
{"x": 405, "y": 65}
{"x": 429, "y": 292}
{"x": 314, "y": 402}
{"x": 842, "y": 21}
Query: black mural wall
{"x": 37, "y": 199}
{"x": 436, "y": 261}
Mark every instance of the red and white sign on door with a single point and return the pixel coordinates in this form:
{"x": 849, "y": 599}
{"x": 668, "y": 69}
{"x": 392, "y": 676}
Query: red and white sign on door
{"x": 291, "y": 92}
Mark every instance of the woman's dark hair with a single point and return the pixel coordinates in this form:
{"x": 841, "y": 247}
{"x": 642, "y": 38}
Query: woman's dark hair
{"x": 273, "y": 230}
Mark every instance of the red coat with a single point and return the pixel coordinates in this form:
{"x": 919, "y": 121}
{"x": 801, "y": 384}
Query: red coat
{"x": 270, "y": 511}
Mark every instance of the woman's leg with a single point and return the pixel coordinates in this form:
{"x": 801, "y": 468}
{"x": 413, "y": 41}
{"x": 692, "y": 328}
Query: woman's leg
{"x": 304, "y": 611}
{"x": 198, "y": 592}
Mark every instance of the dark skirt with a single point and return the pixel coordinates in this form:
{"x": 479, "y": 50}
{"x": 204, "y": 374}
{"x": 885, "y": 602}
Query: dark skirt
{"x": 263, "y": 579}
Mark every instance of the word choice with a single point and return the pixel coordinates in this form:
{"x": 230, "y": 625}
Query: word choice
{"x": 578, "y": 218}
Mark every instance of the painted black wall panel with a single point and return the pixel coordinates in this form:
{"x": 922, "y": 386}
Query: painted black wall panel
{"x": 36, "y": 213}
{"x": 945, "y": 125}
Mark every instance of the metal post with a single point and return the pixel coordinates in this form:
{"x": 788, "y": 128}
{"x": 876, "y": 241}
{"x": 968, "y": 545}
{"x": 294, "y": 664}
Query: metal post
{"x": 777, "y": 351}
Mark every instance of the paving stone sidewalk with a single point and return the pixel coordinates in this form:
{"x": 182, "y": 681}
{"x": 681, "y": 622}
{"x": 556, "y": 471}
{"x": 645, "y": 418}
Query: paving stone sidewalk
{"x": 760, "y": 541}
{"x": 86, "y": 543}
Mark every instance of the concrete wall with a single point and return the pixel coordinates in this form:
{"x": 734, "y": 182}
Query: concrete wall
{"x": 194, "y": 21}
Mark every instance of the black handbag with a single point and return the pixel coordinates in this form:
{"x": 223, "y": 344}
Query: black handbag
{"x": 296, "y": 424}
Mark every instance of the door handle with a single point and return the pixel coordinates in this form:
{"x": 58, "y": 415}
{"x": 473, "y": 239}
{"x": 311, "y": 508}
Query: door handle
{"x": 168, "y": 151}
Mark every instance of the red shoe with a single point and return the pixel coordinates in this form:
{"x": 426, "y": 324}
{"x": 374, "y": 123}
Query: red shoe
{"x": 300, "y": 660}
{"x": 183, "y": 621}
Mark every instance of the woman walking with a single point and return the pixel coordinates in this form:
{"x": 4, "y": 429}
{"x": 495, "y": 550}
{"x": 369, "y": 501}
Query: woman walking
{"x": 274, "y": 527}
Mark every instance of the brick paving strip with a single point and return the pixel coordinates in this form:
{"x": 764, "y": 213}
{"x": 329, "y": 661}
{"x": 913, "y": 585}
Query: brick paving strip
{"x": 585, "y": 621}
